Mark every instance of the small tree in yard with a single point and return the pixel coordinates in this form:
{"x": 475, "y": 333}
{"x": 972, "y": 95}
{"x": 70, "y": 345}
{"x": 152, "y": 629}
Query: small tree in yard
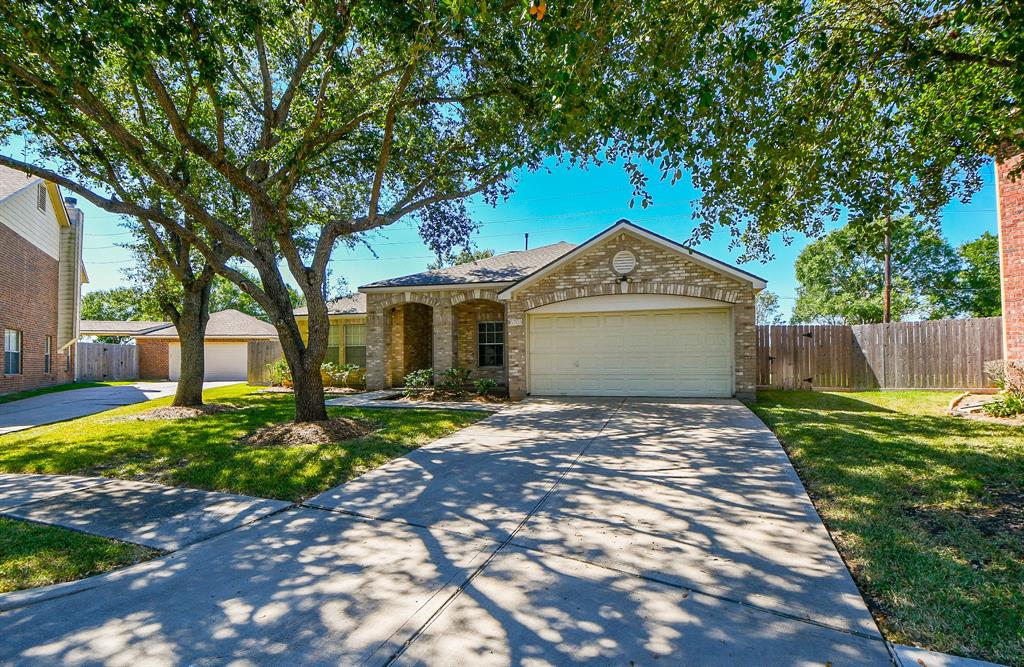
{"x": 172, "y": 275}
{"x": 269, "y": 131}
{"x": 842, "y": 276}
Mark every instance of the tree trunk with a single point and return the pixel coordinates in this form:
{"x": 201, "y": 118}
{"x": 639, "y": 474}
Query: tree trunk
{"x": 887, "y": 277}
{"x": 191, "y": 325}
{"x": 304, "y": 357}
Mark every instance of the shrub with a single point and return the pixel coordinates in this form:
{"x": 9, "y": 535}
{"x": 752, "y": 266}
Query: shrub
{"x": 418, "y": 381}
{"x": 1007, "y": 375}
{"x": 484, "y": 386}
{"x": 455, "y": 380}
{"x": 280, "y": 374}
{"x": 343, "y": 375}
{"x": 1007, "y": 405}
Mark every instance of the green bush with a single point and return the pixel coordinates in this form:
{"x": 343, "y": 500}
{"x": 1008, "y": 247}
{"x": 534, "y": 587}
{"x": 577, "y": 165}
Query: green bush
{"x": 1009, "y": 404}
{"x": 417, "y": 381}
{"x": 455, "y": 380}
{"x": 341, "y": 375}
{"x": 280, "y": 374}
{"x": 484, "y": 386}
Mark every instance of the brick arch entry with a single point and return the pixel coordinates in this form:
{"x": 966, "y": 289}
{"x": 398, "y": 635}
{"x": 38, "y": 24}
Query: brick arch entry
{"x": 607, "y": 289}
{"x": 412, "y": 297}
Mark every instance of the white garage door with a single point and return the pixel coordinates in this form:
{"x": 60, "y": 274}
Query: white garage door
{"x": 653, "y": 353}
{"x": 223, "y": 361}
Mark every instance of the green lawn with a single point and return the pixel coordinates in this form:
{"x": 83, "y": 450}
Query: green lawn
{"x": 33, "y": 555}
{"x": 205, "y": 453}
{"x": 29, "y": 393}
{"x": 927, "y": 510}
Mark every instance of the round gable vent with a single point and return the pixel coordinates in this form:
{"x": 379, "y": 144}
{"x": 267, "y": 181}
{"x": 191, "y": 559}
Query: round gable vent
{"x": 623, "y": 262}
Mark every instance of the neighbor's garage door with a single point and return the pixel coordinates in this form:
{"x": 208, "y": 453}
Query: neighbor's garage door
{"x": 654, "y": 353}
{"x": 223, "y": 361}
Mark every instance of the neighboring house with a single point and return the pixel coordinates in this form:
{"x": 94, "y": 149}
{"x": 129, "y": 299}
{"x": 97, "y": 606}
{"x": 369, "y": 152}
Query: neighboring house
{"x": 626, "y": 313}
{"x": 226, "y": 344}
{"x": 41, "y": 276}
{"x": 346, "y": 341}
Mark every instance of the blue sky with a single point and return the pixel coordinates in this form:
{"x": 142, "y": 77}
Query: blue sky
{"x": 565, "y": 204}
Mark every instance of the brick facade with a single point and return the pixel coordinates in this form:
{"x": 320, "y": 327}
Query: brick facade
{"x": 468, "y": 315}
{"x": 28, "y": 303}
{"x": 153, "y": 359}
{"x": 659, "y": 270}
{"x": 1010, "y": 195}
{"x": 410, "y": 339}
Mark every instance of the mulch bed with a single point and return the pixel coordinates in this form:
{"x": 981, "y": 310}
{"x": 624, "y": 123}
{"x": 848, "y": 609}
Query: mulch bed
{"x": 171, "y": 413}
{"x": 307, "y": 433}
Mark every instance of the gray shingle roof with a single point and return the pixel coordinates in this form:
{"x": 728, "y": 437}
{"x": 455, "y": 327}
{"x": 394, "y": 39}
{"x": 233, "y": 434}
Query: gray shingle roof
{"x": 354, "y": 304}
{"x": 228, "y": 323}
{"x": 507, "y": 267}
{"x": 118, "y": 327}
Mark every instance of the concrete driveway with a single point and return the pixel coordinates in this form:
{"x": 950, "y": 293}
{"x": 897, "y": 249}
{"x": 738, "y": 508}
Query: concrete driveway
{"x": 63, "y": 405}
{"x": 556, "y": 532}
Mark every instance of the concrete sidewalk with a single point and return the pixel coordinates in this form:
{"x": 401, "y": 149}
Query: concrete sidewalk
{"x": 555, "y": 532}
{"x": 63, "y": 405}
{"x": 152, "y": 515}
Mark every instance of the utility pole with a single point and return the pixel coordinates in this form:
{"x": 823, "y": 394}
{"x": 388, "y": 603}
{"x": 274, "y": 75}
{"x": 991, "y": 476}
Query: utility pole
{"x": 887, "y": 271}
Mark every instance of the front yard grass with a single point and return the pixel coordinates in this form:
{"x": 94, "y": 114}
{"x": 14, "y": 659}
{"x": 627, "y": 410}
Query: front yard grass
{"x": 34, "y": 555}
{"x": 205, "y": 452}
{"x": 926, "y": 509}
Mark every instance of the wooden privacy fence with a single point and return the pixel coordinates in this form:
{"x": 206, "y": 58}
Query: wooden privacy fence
{"x": 261, "y": 354}
{"x": 99, "y": 362}
{"x": 937, "y": 354}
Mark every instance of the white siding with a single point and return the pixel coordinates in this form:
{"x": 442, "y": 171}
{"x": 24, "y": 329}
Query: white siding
{"x": 19, "y": 213}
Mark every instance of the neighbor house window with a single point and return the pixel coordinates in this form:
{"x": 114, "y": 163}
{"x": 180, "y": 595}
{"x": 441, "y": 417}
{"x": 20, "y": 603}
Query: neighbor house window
{"x": 41, "y": 197}
{"x": 46, "y": 354}
{"x": 355, "y": 344}
{"x": 333, "y": 343}
{"x": 491, "y": 343}
{"x": 12, "y": 352}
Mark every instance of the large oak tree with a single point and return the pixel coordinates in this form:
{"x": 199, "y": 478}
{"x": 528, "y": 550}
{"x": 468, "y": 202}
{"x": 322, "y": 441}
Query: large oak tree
{"x": 269, "y": 130}
{"x": 787, "y": 114}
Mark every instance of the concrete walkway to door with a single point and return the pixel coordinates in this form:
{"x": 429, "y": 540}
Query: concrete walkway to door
{"x": 552, "y": 533}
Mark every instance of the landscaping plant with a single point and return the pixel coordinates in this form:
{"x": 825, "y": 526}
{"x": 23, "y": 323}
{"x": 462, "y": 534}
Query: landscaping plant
{"x": 280, "y": 373}
{"x": 418, "y": 381}
{"x": 484, "y": 386}
{"x": 1009, "y": 377}
{"x": 455, "y": 380}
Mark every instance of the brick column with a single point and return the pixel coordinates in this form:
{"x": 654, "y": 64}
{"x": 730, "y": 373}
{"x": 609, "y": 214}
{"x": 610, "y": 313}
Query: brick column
{"x": 1010, "y": 208}
{"x": 444, "y": 340}
{"x": 515, "y": 348}
{"x": 377, "y": 341}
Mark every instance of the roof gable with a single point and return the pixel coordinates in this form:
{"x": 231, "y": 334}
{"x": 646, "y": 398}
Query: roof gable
{"x": 630, "y": 228}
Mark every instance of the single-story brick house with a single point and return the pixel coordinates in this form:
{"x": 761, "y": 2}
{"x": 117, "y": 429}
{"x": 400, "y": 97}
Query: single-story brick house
{"x": 628, "y": 312}
{"x": 226, "y": 345}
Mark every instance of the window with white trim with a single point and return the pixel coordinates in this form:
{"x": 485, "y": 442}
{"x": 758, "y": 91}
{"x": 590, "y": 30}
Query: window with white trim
{"x": 47, "y": 359}
{"x": 355, "y": 344}
{"x": 490, "y": 344}
{"x": 12, "y": 352}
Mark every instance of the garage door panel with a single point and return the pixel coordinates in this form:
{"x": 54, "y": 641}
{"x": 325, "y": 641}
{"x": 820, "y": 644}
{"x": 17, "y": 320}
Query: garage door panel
{"x": 666, "y": 353}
